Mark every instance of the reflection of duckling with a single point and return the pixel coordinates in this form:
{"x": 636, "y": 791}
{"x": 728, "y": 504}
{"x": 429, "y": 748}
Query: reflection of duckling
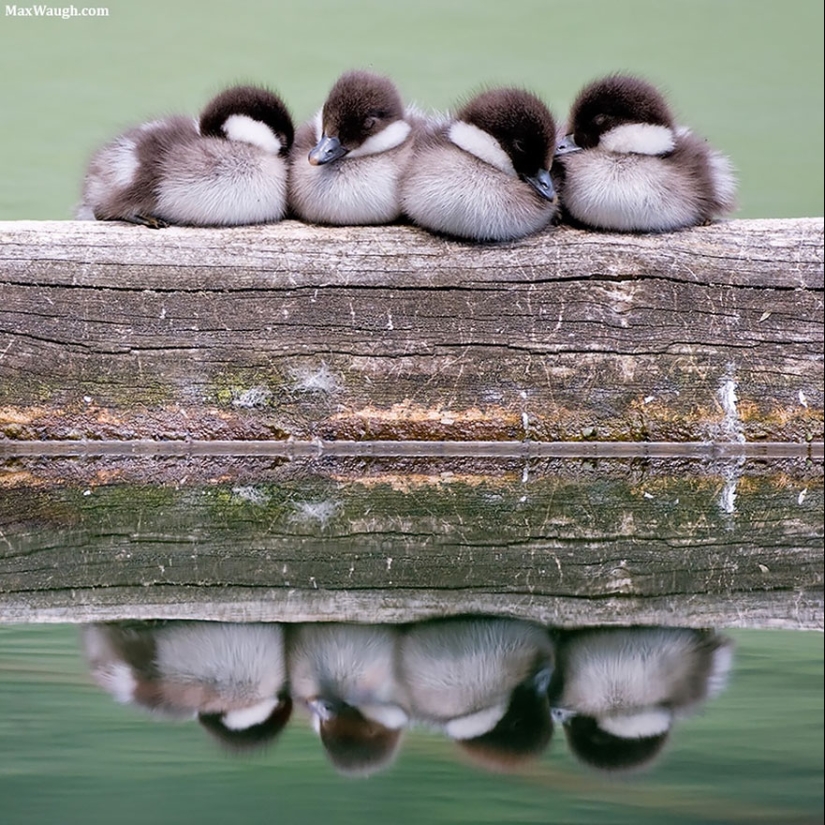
{"x": 618, "y": 690}
{"x": 483, "y": 681}
{"x": 227, "y": 168}
{"x": 636, "y": 170}
{"x": 231, "y": 677}
{"x": 347, "y": 161}
{"x": 485, "y": 175}
{"x": 344, "y": 676}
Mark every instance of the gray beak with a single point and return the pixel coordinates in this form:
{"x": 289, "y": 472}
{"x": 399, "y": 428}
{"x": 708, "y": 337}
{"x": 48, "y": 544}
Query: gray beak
{"x": 561, "y": 716}
{"x": 567, "y": 145}
{"x": 326, "y": 150}
{"x": 542, "y": 183}
{"x": 322, "y": 708}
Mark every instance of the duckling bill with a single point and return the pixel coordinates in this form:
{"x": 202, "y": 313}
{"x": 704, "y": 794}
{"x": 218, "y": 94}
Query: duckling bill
{"x": 227, "y": 168}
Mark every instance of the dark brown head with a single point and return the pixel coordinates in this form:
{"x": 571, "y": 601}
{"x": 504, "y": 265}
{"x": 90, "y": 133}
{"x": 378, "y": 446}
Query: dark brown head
{"x": 523, "y": 127}
{"x": 521, "y": 735}
{"x": 251, "y": 115}
{"x": 363, "y": 114}
{"x": 235, "y": 734}
{"x": 614, "y": 101}
{"x": 356, "y": 745}
{"x": 606, "y": 751}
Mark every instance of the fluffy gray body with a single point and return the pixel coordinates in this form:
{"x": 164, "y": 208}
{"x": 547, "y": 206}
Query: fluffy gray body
{"x": 627, "y": 191}
{"x": 190, "y": 668}
{"x": 459, "y": 674}
{"x": 635, "y": 681}
{"x": 450, "y": 191}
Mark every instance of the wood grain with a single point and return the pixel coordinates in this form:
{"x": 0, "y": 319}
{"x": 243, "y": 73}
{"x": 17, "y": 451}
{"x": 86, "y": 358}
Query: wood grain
{"x": 293, "y": 331}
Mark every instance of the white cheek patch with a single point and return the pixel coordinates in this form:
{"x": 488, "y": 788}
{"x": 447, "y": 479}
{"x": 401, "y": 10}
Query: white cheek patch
{"x": 653, "y": 722}
{"x": 482, "y": 145}
{"x": 638, "y": 139}
{"x": 247, "y": 130}
{"x": 244, "y": 718}
{"x": 390, "y": 716}
{"x": 394, "y": 135}
{"x": 475, "y": 724}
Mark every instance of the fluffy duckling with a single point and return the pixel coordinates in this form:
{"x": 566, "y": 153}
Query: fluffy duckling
{"x": 618, "y": 691}
{"x": 483, "y": 682}
{"x": 626, "y": 166}
{"x": 485, "y": 174}
{"x": 227, "y": 168}
{"x": 347, "y": 162}
{"x": 231, "y": 677}
{"x": 344, "y": 676}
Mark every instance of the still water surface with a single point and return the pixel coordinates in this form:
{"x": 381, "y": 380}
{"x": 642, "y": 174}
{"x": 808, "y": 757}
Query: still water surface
{"x": 432, "y": 709}
{"x": 73, "y": 753}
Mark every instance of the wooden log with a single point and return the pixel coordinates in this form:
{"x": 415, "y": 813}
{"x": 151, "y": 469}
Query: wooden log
{"x": 292, "y": 331}
{"x": 680, "y": 542}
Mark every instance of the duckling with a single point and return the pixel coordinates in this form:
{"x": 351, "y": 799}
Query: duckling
{"x": 483, "y": 682}
{"x": 618, "y": 691}
{"x": 626, "y": 165}
{"x": 227, "y": 168}
{"x": 344, "y": 676}
{"x": 485, "y": 174}
{"x": 230, "y": 677}
{"x": 347, "y": 162}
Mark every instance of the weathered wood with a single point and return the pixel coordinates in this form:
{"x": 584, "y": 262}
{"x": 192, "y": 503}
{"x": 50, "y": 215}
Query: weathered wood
{"x": 117, "y": 332}
{"x": 679, "y": 542}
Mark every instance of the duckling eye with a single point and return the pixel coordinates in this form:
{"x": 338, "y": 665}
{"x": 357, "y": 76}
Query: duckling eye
{"x": 600, "y": 120}
{"x": 369, "y": 122}
{"x": 518, "y": 145}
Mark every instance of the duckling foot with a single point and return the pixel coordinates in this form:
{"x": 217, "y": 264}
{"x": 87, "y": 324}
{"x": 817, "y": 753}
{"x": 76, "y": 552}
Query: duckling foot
{"x": 148, "y": 220}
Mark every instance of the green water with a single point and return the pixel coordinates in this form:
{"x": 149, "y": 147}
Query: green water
{"x": 748, "y": 74}
{"x": 70, "y": 754}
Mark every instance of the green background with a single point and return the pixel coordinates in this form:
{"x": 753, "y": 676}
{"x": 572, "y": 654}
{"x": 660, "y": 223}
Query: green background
{"x": 69, "y": 754}
{"x": 747, "y": 74}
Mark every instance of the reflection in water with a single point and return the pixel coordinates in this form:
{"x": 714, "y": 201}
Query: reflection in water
{"x": 493, "y": 685}
{"x": 231, "y": 677}
{"x": 483, "y": 682}
{"x": 618, "y": 691}
{"x": 344, "y": 675}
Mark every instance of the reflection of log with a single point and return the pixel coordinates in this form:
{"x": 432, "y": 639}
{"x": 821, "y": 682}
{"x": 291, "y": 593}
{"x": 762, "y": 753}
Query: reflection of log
{"x": 118, "y": 332}
{"x": 727, "y": 543}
